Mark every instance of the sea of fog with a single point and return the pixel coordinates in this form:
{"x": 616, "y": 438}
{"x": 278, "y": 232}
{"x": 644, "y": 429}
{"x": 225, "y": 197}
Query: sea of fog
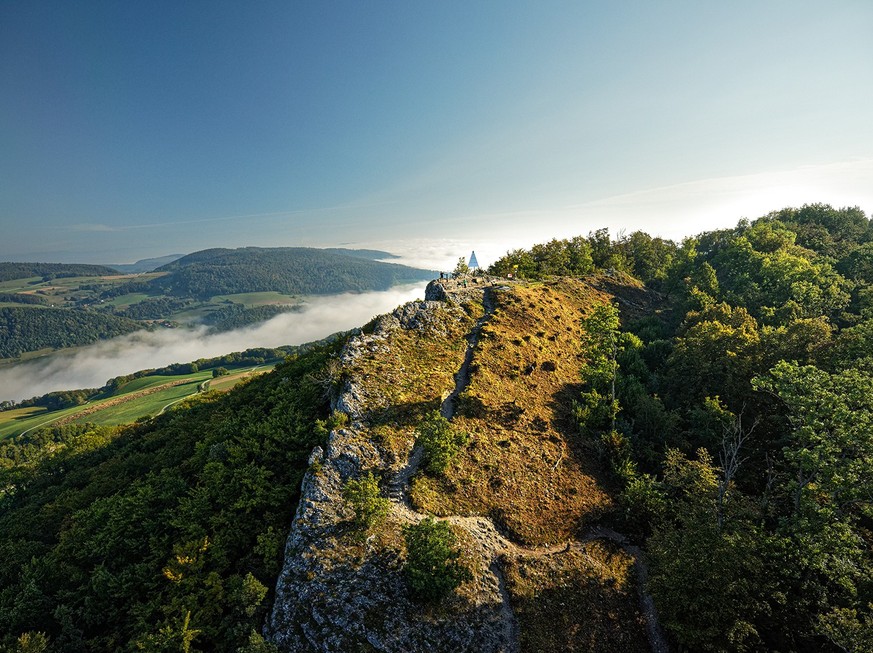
{"x": 93, "y": 366}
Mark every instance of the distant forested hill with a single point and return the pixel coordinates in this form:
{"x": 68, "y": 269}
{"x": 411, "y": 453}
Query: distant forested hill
{"x": 30, "y": 328}
{"x": 290, "y": 270}
{"x": 9, "y": 271}
{"x": 373, "y": 254}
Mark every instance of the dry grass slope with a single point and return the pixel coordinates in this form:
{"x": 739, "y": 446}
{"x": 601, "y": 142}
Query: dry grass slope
{"x": 524, "y": 466}
{"x": 411, "y": 377}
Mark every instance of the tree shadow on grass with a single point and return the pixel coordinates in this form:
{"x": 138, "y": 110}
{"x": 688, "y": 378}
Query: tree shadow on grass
{"x": 400, "y": 415}
{"x": 583, "y": 451}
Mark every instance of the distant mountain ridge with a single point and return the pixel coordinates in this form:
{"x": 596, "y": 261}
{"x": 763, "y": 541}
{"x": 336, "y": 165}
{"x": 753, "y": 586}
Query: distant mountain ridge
{"x": 372, "y": 254}
{"x": 146, "y": 264}
{"x": 291, "y": 270}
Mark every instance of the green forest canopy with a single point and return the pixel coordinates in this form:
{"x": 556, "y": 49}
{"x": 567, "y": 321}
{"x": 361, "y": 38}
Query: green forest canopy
{"x": 117, "y": 538}
{"x": 739, "y": 423}
{"x": 9, "y": 271}
{"x": 25, "y": 328}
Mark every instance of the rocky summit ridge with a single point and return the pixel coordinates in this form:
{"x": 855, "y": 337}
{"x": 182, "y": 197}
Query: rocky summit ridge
{"x": 498, "y": 360}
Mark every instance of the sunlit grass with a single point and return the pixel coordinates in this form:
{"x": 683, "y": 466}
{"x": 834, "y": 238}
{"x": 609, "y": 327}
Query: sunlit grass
{"x": 523, "y": 466}
{"x": 143, "y": 397}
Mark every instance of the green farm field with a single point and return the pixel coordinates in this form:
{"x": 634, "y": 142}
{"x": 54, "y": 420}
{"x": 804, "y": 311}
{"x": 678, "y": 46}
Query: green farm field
{"x": 146, "y": 382}
{"x": 144, "y": 397}
{"x": 197, "y": 313}
{"x": 64, "y": 290}
{"x": 225, "y": 383}
{"x": 142, "y": 405}
{"x": 21, "y": 420}
{"x": 16, "y": 285}
{"x": 126, "y": 300}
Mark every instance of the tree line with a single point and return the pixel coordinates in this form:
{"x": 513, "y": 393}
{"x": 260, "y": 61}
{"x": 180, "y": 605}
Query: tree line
{"x": 24, "y": 329}
{"x": 737, "y": 423}
{"x": 22, "y": 298}
{"x": 48, "y": 271}
{"x": 236, "y": 316}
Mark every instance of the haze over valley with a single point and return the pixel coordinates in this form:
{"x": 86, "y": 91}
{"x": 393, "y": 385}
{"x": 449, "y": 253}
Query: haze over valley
{"x": 91, "y": 366}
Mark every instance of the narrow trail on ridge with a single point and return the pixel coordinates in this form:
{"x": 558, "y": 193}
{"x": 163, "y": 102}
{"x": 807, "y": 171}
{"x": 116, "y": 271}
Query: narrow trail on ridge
{"x": 485, "y": 532}
{"x": 398, "y": 487}
{"x": 462, "y": 376}
{"x": 511, "y": 634}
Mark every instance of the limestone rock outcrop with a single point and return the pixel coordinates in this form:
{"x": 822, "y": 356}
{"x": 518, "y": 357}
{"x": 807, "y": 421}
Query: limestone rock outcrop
{"x": 338, "y": 592}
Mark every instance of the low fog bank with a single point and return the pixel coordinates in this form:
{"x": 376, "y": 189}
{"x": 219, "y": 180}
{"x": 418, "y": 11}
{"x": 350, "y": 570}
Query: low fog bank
{"x": 92, "y": 366}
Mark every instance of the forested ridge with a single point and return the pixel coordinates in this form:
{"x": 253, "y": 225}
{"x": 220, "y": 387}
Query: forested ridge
{"x": 9, "y": 271}
{"x": 25, "y": 329}
{"x": 290, "y": 270}
{"x": 739, "y": 423}
{"x": 734, "y": 416}
{"x": 143, "y": 537}
{"x": 372, "y": 254}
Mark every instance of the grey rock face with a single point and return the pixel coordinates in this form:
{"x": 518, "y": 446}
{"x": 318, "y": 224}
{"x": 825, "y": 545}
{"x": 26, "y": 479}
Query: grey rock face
{"x": 435, "y": 291}
{"x": 339, "y": 593}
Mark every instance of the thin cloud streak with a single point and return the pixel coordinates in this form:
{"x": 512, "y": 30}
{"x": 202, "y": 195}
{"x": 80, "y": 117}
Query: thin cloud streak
{"x": 683, "y": 209}
{"x": 92, "y": 366}
{"x": 673, "y": 211}
{"x": 94, "y": 227}
{"x": 91, "y": 227}
{"x": 721, "y": 201}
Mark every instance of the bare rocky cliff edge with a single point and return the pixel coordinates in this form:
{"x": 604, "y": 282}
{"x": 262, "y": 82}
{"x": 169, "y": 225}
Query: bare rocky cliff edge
{"x": 525, "y": 498}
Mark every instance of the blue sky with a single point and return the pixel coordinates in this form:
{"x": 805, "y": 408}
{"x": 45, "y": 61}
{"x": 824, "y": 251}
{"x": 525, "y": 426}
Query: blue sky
{"x": 130, "y": 130}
